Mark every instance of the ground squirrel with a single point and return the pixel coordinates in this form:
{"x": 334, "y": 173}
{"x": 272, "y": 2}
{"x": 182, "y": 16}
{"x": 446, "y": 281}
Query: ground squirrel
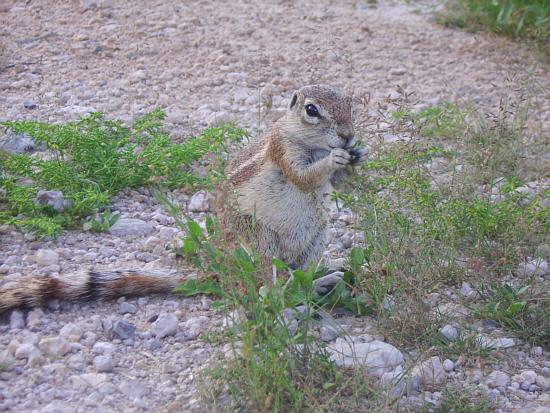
{"x": 282, "y": 180}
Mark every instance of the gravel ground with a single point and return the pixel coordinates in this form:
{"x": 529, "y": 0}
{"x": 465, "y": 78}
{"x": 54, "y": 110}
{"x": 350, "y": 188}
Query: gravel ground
{"x": 206, "y": 62}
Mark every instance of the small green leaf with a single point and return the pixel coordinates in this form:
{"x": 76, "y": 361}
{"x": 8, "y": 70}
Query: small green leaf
{"x": 194, "y": 229}
{"x": 280, "y": 265}
{"x": 194, "y": 287}
{"x": 190, "y": 246}
{"x": 515, "y": 308}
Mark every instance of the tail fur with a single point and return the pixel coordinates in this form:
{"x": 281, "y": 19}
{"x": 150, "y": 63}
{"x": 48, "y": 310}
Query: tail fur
{"x": 85, "y": 286}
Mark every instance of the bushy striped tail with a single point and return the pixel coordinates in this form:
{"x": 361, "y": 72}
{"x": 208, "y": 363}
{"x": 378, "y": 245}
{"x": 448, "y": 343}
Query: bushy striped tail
{"x": 86, "y": 286}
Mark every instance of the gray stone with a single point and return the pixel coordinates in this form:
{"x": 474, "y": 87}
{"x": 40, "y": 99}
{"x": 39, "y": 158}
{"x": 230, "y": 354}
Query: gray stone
{"x": 466, "y": 290}
{"x": 23, "y": 350}
{"x": 325, "y": 284}
{"x": 31, "y": 353}
{"x": 103, "y": 347}
{"x": 529, "y": 376}
{"x": 165, "y": 325}
{"x": 83, "y": 381}
{"x": 71, "y": 330}
{"x": 337, "y": 264}
{"x": 46, "y": 257}
{"x": 124, "y": 330}
{"x": 537, "y": 351}
{"x": 498, "y": 379}
{"x": 448, "y": 365}
{"x": 134, "y": 389}
{"x": 17, "y": 143}
{"x": 524, "y": 385}
{"x": 449, "y": 332}
{"x": 199, "y": 202}
{"x": 327, "y": 333}
{"x": 57, "y": 406}
{"x": 17, "y": 320}
{"x": 533, "y": 268}
{"x": 394, "y": 381}
{"x": 194, "y": 326}
{"x": 127, "y": 308}
{"x": 54, "y": 199}
{"x": 54, "y": 346}
{"x": 103, "y": 364}
{"x": 131, "y": 227}
{"x": 488, "y": 342}
{"x": 378, "y": 357}
{"x": 543, "y": 382}
{"x": 430, "y": 372}
{"x": 485, "y": 326}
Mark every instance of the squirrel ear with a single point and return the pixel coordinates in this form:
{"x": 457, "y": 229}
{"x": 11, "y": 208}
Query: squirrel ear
{"x": 293, "y": 100}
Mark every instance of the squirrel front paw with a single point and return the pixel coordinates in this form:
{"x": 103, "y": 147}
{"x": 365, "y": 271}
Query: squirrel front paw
{"x": 339, "y": 158}
{"x": 358, "y": 155}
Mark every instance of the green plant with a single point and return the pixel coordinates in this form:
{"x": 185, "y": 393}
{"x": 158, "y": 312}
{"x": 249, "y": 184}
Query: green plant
{"x": 524, "y": 311}
{"x": 102, "y": 221}
{"x": 276, "y": 364}
{"x": 91, "y": 159}
{"x": 515, "y": 18}
{"x": 445, "y": 120}
{"x": 422, "y": 232}
{"x": 461, "y": 401}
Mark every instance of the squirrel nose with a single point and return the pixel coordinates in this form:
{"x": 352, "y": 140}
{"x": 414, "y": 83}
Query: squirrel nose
{"x": 346, "y": 134}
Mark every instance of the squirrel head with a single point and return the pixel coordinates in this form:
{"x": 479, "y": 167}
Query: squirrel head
{"x": 324, "y": 117}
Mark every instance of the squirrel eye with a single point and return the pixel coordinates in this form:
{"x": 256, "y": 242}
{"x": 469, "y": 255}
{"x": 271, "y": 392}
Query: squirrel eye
{"x": 311, "y": 110}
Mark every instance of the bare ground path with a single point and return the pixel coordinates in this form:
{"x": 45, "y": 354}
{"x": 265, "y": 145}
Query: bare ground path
{"x": 204, "y": 62}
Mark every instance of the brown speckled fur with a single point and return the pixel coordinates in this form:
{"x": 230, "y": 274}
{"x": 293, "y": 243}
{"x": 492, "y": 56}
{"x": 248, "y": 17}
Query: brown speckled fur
{"x": 278, "y": 186}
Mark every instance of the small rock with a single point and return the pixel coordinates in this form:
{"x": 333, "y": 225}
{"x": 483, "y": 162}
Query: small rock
{"x": 137, "y": 76}
{"x": 131, "y": 226}
{"x": 53, "y": 199}
{"x": 326, "y": 283}
{"x": 430, "y": 372}
{"x": 448, "y": 365}
{"x": 337, "y": 264}
{"x": 396, "y": 380}
{"x": 199, "y": 202}
{"x": 54, "y": 346}
{"x": 485, "y": 326}
{"x": 529, "y": 376}
{"x": 31, "y": 353}
{"x": 378, "y": 357}
{"x": 34, "y": 319}
{"x": 466, "y": 290}
{"x": 57, "y": 406}
{"x": 46, "y": 257}
{"x": 388, "y": 303}
{"x": 537, "y": 351}
{"x": 94, "y": 380}
{"x": 165, "y": 325}
{"x": 103, "y": 347}
{"x": 124, "y": 330}
{"x": 23, "y": 350}
{"x": 488, "y": 342}
{"x": 17, "y": 320}
{"x": 17, "y": 143}
{"x": 543, "y": 382}
{"x": 134, "y": 389}
{"x": 449, "y": 332}
{"x": 103, "y": 364}
{"x": 327, "y": 333}
{"x": 498, "y": 379}
{"x": 71, "y": 330}
{"x": 533, "y": 268}
{"x": 127, "y": 308}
